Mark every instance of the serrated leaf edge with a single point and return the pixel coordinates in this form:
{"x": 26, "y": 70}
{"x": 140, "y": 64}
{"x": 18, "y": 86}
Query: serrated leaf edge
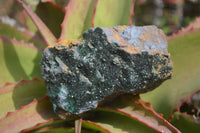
{"x": 21, "y": 42}
{"x": 35, "y": 101}
{"x": 147, "y": 106}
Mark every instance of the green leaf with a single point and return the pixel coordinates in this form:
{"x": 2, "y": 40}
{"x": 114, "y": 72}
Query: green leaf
{"x": 78, "y": 18}
{"x": 27, "y": 116}
{"x": 184, "y": 49}
{"x": 135, "y": 116}
{"x": 113, "y": 12}
{"x": 44, "y": 30}
{"x": 185, "y": 123}
{"x": 63, "y": 130}
{"x": 14, "y": 95}
{"x": 18, "y": 60}
{"x": 11, "y": 32}
{"x": 68, "y": 124}
{"x": 43, "y": 125}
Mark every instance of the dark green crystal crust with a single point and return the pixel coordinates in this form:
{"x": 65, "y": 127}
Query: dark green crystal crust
{"x": 79, "y": 76}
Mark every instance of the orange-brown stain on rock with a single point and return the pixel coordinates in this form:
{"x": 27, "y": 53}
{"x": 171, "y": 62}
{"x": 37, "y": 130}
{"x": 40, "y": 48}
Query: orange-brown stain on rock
{"x": 130, "y": 48}
{"x": 121, "y": 27}
{"x": 67, "y": 43}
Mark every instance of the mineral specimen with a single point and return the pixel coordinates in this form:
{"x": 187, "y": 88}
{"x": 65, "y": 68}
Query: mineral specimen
{"x": 80, "y": 74}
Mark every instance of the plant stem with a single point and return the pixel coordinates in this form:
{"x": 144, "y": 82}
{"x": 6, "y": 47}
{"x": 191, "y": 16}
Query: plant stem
{"x": 78, "y": 124}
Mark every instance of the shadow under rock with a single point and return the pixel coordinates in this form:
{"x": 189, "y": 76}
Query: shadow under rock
{"x": 24, "y": 94}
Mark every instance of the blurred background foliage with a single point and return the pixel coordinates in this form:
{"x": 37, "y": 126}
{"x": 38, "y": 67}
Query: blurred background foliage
{"x": 169, "y": 15}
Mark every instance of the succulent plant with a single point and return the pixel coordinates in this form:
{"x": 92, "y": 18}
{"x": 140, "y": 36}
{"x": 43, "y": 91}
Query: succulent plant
{"x": 172, "y": 107}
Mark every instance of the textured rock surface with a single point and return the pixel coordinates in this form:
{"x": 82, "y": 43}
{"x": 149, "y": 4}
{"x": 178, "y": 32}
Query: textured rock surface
{"x": 79, "y": 74}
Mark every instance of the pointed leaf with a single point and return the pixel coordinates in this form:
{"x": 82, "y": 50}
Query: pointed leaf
{"x": 78, "y": 18}
{"x": 113, "y": 12}
{"x": 117, "y": 122}
{"x": 12, "y": 32}
{"x": 185, "y": 54}
{"x": 45, "y": 32}
{"x": 129, "y": 111}
{"x": 14, "y": 95}
{"x": 27, "y": 116}
{"x": 18, "y": 60}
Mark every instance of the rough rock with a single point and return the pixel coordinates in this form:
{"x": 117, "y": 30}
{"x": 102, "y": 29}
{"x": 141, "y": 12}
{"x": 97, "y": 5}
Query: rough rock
{"x": 80, "y": 74}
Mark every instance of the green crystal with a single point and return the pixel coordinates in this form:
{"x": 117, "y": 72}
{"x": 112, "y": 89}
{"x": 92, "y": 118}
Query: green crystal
{"x": 80, "y": 74}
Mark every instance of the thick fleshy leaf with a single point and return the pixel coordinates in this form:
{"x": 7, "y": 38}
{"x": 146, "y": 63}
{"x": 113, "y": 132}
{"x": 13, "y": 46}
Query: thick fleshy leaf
{"x": 86, "y": 126}
{"x": 27, "y": 116}
{"x": 113, "y": 12}
{"x": 51, "y": 15}
{"x": 63, "y": 130}
{"x": 135, "y": 116}
{"x": 44, "y": 30}
{"x": 18, "y": 60}
{"x": 184, "y": 49}
{"x": 14, "y": 95}
{"x": 48, "y": 123}
{"x": 78, "y": 18}
{"x": 185, "y": 123}
{"x": 12, "y": 32}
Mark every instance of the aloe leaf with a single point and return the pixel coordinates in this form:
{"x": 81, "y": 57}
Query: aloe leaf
{"x": 57, "y": 124}
{"x": 113, "y": 12}
{"x": 78, "y": 18}
{"x": 18, "y": 60}
{"x": 63, "y": 130}
{"x": 14, "y": 95}
{"x": 48, "y": 36}
{"x": 135, "y": 116}
{"x": 185, "y": 123}
{"x": 27, "y": 116}
{"x": 12, "y": 32}
{"x": 184, "y": 49}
